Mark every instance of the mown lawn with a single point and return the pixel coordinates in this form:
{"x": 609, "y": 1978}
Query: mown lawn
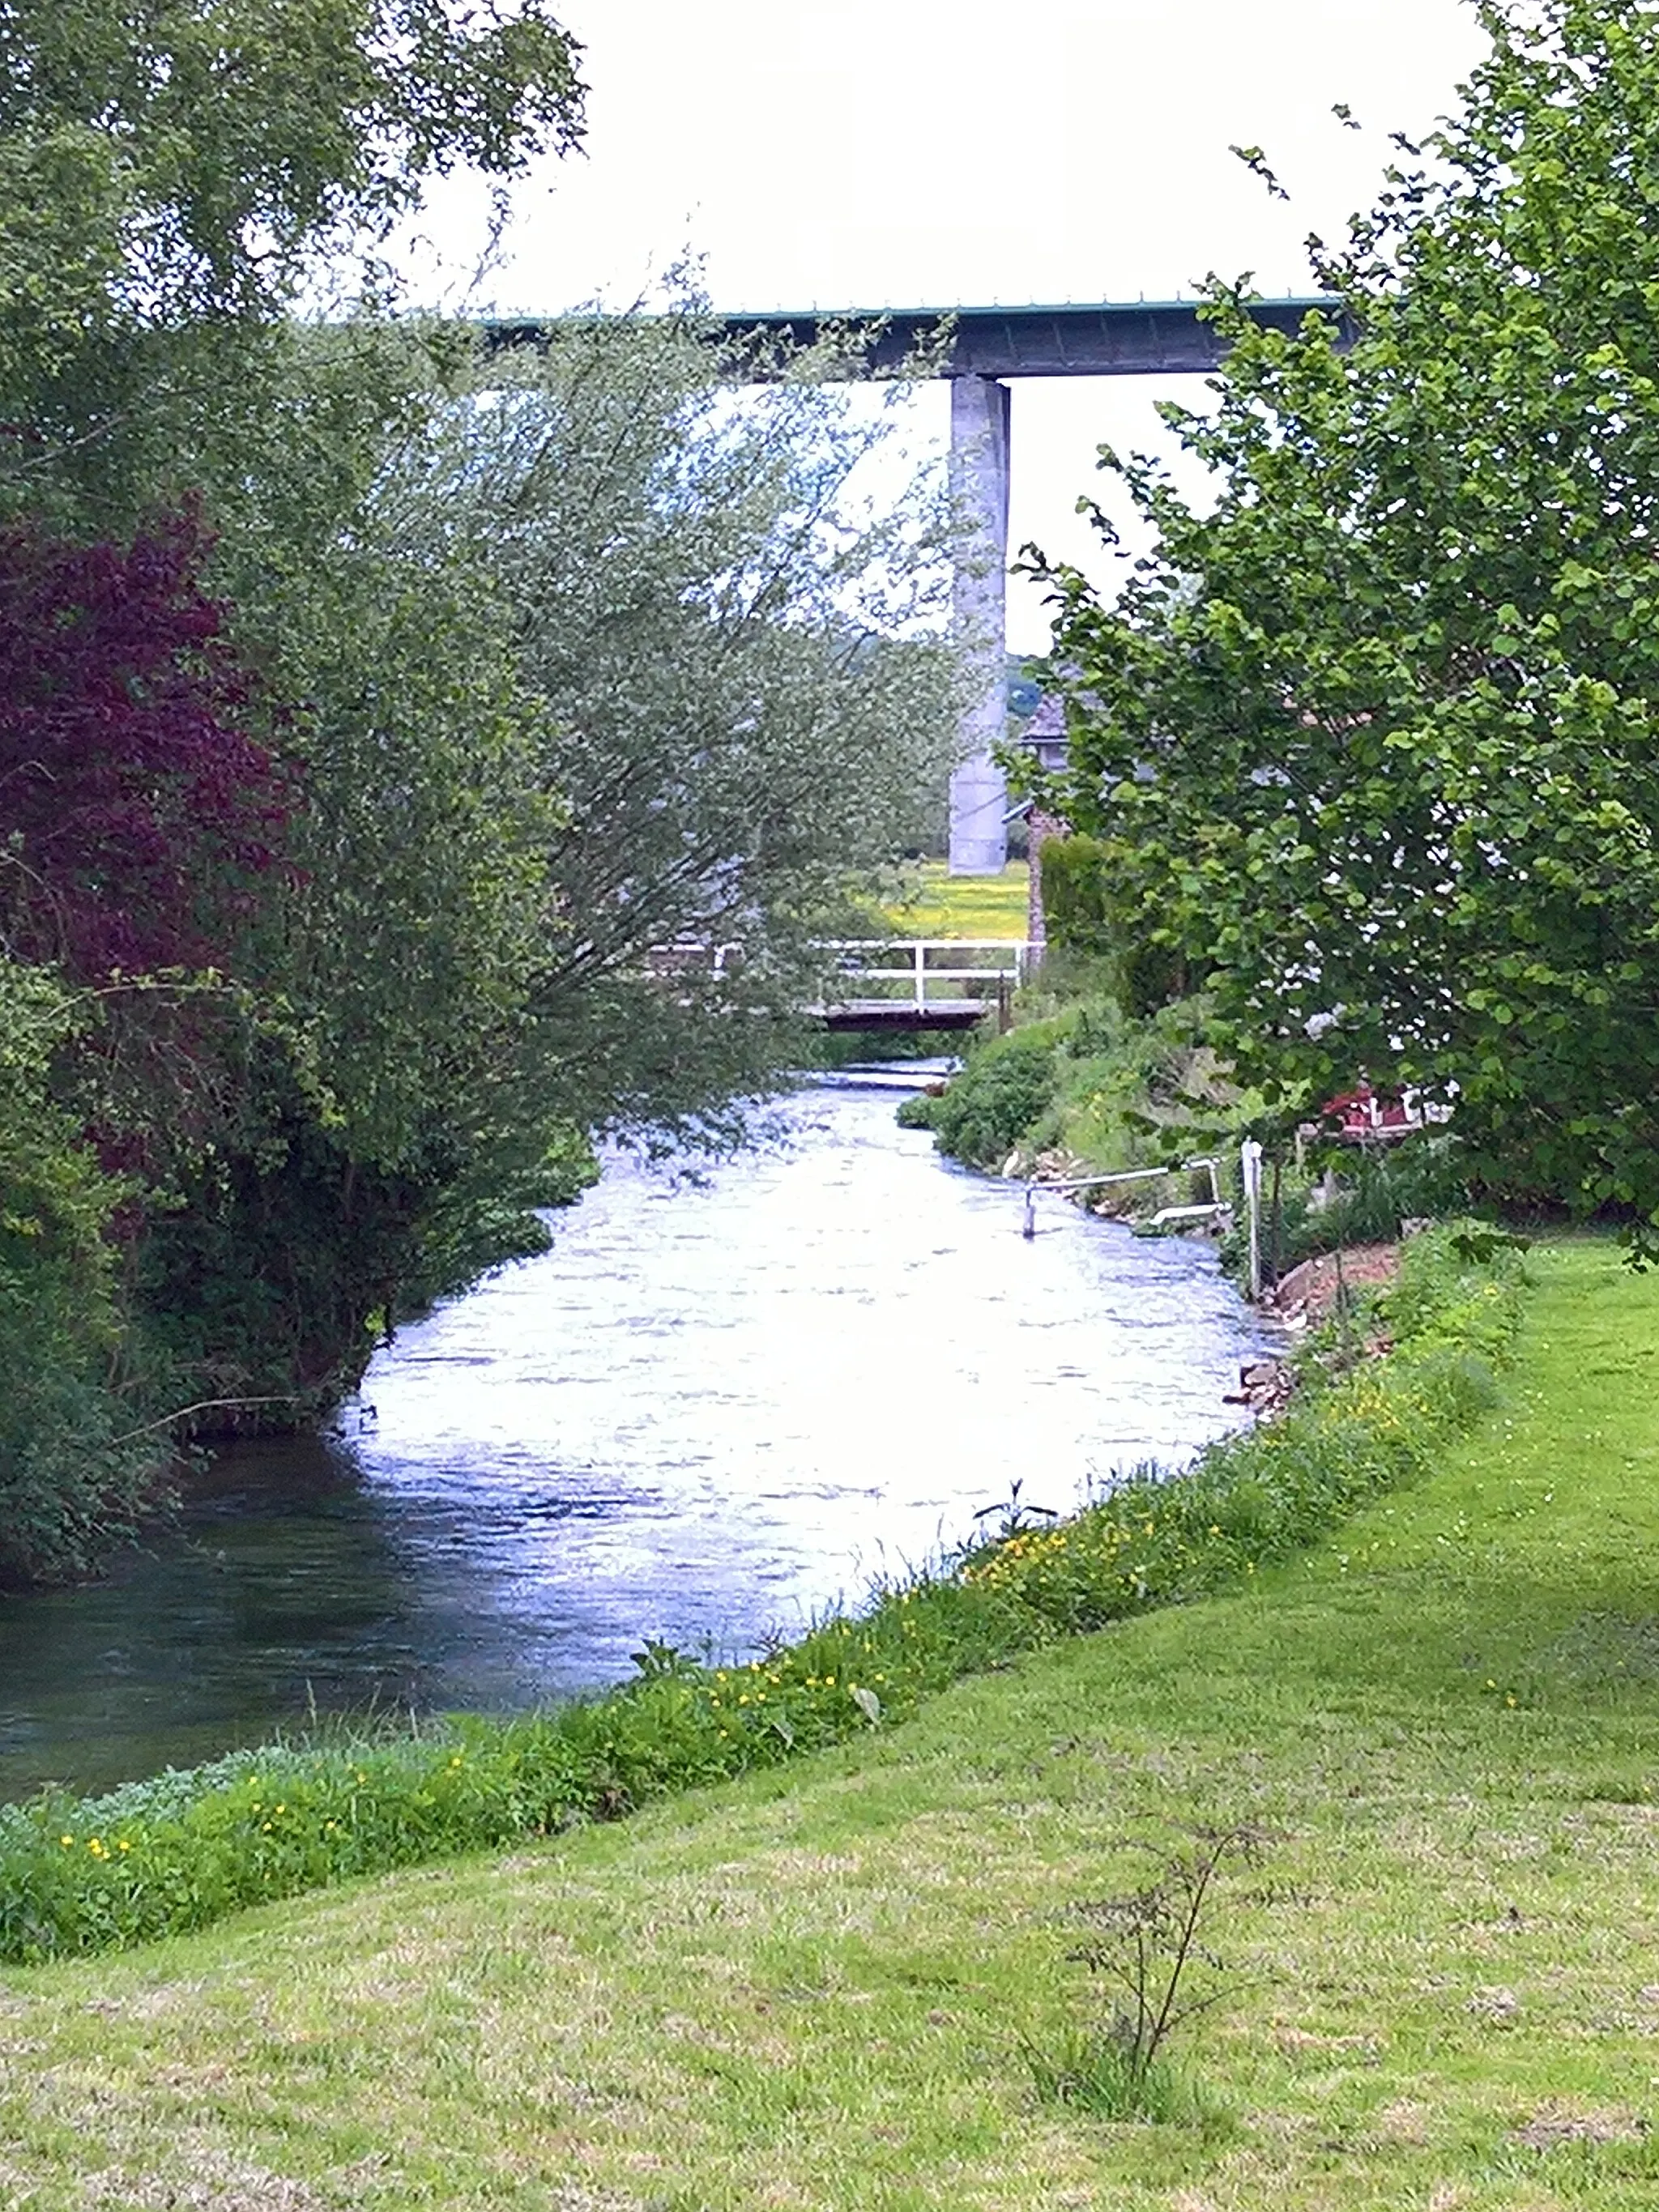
{"x": 809, "y": 1989}
{"x": 966, "y": 907}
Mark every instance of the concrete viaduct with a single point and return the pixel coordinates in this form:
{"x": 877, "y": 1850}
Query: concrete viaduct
{"x": 988, "y": 346}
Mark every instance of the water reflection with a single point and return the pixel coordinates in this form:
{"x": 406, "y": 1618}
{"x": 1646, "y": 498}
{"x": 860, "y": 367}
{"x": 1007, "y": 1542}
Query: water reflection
{"x": 712, "y": 1408}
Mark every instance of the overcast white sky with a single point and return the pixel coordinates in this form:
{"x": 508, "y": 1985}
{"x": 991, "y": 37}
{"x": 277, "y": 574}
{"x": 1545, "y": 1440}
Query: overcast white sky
{"x": 874, "y": 153}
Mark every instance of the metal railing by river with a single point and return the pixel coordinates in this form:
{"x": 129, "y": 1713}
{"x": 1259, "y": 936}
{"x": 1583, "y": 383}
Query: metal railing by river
{"x": 720, "y": 1403}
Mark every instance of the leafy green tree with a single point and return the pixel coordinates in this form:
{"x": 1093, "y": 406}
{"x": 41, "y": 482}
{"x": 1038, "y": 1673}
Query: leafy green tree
{"x": 610, "y": 698}
{"x": 79, "y": 1463}
{"x": 371, "y": 1152}
{"x": 561, "y": 662}
{"x": 173, "y": 172}
{"x": 1373, "y": 741}
{"x": 177, "y": 177}
{"x": 744, "y": 696}
{"x": 1087, "y": 913}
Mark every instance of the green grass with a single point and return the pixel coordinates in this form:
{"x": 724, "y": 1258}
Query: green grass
{"x": 816, "y": 1986}
{"x": 965, "y": 907}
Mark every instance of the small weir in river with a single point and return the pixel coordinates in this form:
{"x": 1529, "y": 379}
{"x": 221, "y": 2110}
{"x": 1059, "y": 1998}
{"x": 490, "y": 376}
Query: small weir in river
{"x": 720, "y": 1403}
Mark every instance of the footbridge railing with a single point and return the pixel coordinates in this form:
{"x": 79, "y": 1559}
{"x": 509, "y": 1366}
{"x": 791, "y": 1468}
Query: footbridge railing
{"x": 923, "y": 983}
{"x": 901, "y": 982}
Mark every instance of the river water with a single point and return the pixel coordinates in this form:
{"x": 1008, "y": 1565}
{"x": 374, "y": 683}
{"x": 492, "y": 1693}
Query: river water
{"x": 718, "y": 1405}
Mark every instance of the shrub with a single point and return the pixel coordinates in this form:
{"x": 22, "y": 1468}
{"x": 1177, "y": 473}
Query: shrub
{"x": 1006, "y": 1086}
{"x": 1145, "y": 1952}
{"x": 78, "y": 1462}
{"x": 1074, "y": 894}
{"x": 1083, "y": 916}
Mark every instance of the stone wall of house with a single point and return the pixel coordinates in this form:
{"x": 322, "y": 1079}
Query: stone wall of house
{"x": 1039, "y": 827}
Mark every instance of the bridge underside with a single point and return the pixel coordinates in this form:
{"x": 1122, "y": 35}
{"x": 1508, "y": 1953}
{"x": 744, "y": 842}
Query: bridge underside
{"x": 1147, "y": 337}
{"x": 904, "y": 1014}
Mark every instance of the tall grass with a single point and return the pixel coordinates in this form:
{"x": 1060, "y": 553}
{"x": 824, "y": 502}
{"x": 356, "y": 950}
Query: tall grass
{"x": 166, "y": 1856}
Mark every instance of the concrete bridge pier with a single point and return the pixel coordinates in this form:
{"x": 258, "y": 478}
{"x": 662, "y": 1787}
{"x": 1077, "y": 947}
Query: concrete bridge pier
{"x": 979, "y": 606}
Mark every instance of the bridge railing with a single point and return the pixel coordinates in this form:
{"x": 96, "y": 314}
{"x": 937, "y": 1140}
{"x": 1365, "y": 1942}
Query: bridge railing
{"x": 922, "y": 968}
{"x": 687, "y": 952}
{"x": 1008, "y": 966}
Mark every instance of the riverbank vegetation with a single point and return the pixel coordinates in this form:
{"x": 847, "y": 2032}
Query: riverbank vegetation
{"x": 1359, "y": 789}
{"x": 413, "y": 760}
{"x": 1079, "y": 1077}
{"x": 1081, "y": 1087}
{"x": 820, "y": 1983}
{"x": 158, "y": 1857}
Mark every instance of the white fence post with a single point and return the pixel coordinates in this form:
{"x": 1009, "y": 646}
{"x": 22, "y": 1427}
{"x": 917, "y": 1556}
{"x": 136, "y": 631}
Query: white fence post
{"x": 1249, "y": 1154}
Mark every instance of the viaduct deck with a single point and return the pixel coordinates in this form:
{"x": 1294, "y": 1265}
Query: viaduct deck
{"x": 1107, "y": 338}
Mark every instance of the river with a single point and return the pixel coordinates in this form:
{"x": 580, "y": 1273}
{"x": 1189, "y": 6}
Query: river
{"x": 719, "y": 1404}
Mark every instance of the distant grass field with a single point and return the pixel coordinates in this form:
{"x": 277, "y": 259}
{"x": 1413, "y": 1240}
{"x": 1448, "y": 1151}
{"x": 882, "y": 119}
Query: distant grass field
{"x": 809, "y": 1989}
{"x": 965, "y": 906}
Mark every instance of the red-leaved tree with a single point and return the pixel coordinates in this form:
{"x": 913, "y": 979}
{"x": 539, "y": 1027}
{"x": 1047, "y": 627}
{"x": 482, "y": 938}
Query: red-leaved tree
{"x": 138, "y": 815}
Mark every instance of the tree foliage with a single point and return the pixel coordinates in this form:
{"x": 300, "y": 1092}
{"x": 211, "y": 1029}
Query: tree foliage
{"x": 181, "y": 468}
{"x": 135, "y": 812}
{"x": 173, "y": 171}
{"x": 78, "y": 1466}
{"x": 742, "y": 690}
{"x": 1088, "y": 913}
{"x": 605, "y": 703}
{"x": 1374, "y": 740}
{"x": 430, "y": 759}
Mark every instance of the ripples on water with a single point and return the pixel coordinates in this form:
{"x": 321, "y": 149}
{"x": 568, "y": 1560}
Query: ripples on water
{"x": 717, "y": 1406}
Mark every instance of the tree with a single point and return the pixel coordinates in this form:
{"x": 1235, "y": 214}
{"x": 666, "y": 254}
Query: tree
{"x": 594, "y": 660}
{"x": 365, "y": 1158}
{"x": 136, "y": 813}
{"x": 1374, "y": 741}
{"x": 513, "y": 674}
{"x": 79, "y": 1467}
{"x": 745, "y": 697}
{"x": 174, "y": 173}
{"x": 176, "y": 178}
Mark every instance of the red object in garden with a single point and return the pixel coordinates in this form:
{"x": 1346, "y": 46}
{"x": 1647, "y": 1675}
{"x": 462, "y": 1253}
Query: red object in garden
{"x": 1362, "y": 1115}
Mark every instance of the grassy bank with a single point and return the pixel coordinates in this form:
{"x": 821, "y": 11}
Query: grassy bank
{"x": 809, "y": 1988}
{"x": 1080, "y": 1087}
{"x": 1077, "y": 1079}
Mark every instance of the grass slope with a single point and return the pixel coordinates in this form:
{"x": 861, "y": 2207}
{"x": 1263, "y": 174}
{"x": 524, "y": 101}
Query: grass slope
{"x": 807, "y": 1989}
{"x": 966, "y": 907}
